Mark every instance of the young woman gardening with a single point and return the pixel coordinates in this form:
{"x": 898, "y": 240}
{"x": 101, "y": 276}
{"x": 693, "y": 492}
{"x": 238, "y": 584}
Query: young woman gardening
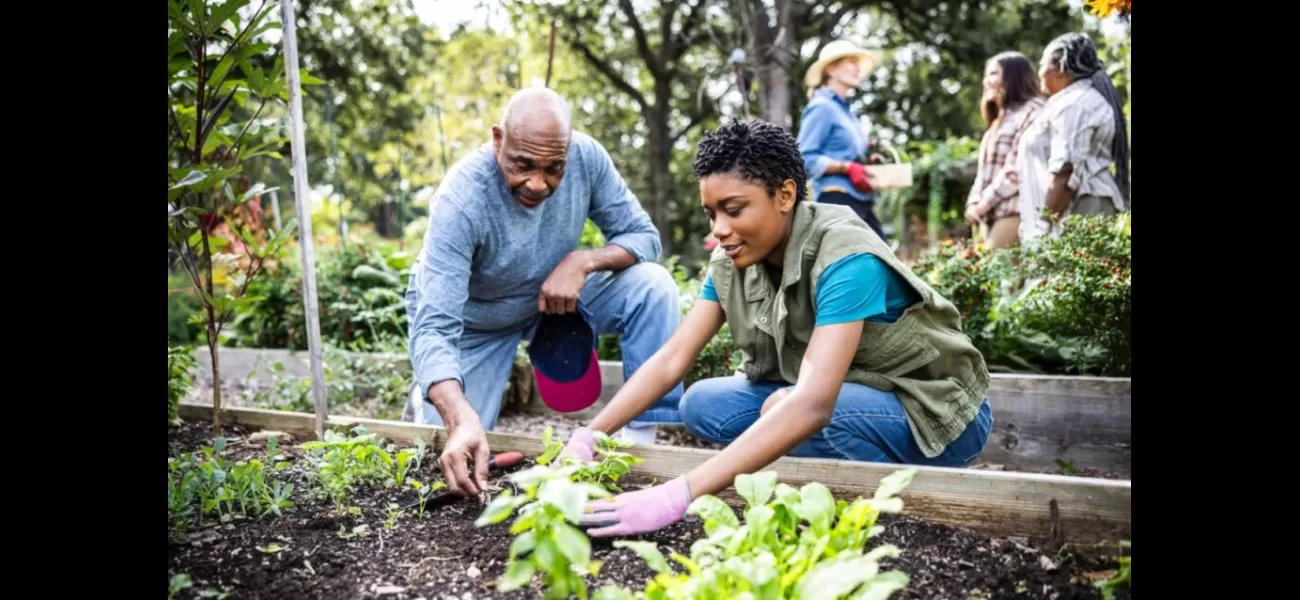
{"x": 848, "y": 355}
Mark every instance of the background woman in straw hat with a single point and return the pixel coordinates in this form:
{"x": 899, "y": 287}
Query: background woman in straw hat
{"x": 832, "y": 140}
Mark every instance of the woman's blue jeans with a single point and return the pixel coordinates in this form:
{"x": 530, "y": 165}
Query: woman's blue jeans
{"x": 867, "y": 424}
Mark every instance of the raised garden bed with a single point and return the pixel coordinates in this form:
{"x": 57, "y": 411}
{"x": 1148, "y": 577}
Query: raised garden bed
{"x": 1027, "y": 528}
{"x": 1042, "y": 423}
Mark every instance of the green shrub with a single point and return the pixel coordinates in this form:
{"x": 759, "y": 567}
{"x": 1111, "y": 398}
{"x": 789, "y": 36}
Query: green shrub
{"x": 360, "y": 291}
{"x": 1058, "y": 305}
{"x": 182, "y": 310}
{"x": 373, "y": 388}
{"x": 719, "y": 357}
{"x": 1079, "y": 290}
{"x": 180, "y": 365}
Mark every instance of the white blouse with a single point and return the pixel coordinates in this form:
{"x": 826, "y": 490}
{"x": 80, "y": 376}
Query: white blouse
{"x": 1076, "y": 126}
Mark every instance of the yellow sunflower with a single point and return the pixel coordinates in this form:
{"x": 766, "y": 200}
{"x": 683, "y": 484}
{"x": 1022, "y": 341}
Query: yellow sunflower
{"x": 1105, "y": 8}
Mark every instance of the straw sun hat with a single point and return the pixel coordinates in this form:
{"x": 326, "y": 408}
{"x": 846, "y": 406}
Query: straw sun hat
{"x": 834, "y": 51}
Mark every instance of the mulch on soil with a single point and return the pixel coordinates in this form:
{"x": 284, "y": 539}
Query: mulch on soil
{"x": 314, "y": 552}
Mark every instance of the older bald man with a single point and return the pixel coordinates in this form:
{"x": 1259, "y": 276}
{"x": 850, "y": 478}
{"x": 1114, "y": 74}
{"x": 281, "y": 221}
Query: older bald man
{"x": 501, "y": 264}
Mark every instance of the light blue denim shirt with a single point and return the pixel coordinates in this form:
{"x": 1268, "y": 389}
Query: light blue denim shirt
{"x": 485, "y": 255}
{"x": 828, "y": 133}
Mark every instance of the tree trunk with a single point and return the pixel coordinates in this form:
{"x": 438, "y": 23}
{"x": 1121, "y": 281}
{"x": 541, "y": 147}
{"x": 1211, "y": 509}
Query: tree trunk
{"x": 661, "y": 152}
{"x": 216, "y": 381}
{"x": 773, "y": 57}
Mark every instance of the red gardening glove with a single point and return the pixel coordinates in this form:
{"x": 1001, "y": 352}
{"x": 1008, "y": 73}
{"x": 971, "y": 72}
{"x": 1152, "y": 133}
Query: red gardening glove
{"x": 858, "y": 175}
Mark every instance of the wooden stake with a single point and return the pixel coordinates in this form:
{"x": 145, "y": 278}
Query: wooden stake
{"x": 302, "y": 202}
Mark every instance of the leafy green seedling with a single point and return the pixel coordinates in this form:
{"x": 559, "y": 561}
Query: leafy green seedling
{"x": 613, "y": 462}
{"x": 178, "y": 582}
{"x": 547, "y": 541}
{"x": 1123, "y": 576}
{"x": 341, "y": 463}
{"x": 425, "y": 492}
{"x": 394, "y": 513}
{"x": 791, "y": 543}
{"x": 403, "y": 460}
{"x": 204, "y": 483}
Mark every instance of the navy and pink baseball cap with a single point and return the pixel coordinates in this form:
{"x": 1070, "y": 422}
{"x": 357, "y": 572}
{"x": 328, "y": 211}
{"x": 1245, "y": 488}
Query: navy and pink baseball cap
{"x": 565, "y": 365}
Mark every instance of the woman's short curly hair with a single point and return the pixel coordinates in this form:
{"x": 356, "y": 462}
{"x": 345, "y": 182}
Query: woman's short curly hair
{"x": 758, "y": 150}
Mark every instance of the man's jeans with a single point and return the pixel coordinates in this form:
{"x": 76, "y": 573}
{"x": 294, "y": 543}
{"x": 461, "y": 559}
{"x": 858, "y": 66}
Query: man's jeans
{"x": 639, "y": 303}
{"x": 867, "y": 424}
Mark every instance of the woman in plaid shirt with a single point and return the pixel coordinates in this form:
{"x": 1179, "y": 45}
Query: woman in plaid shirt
{"x": 1012, "y": 99}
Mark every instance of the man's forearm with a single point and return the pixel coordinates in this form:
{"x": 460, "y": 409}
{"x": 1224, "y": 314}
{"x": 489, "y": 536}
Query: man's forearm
{"x": 611, "y": 257}
{"x": 451, "y": 403}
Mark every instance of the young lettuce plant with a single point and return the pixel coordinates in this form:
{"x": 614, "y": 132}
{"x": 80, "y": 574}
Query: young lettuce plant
{"x": 425, "y": 492}
{"x": 203, "y": 483}
{"x": 793, "y": 543}
{"x": 340, "y": 463}
{"x": 612, "y": 462}
{"x": 547, "y": 541}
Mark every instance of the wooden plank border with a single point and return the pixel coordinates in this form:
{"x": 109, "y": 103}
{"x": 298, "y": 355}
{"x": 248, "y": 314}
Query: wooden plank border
{"x": 990, "y": 502}
{"x": 1040, "y": 421}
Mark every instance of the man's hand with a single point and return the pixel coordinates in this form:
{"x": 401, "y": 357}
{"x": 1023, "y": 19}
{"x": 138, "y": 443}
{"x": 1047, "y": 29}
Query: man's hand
{"x": 465, "y": 440}
{"x": 974, "y": 215}
{"x": 560, "y": 290}
{"x": 465, "y": 443}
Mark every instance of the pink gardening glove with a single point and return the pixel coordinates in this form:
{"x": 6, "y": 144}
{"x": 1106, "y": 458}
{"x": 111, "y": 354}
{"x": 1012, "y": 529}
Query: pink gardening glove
{"x": 636, "y": 512}
{"x": 581, "y": 444}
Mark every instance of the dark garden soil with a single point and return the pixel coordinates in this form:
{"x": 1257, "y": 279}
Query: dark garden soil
{"x": 314, "y": 552}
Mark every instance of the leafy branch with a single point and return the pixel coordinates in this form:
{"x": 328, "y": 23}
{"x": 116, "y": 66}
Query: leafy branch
{"x": 206, "y": 187}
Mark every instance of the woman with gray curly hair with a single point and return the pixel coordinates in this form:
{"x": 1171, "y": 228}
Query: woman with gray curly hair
{"x": 1065, "y": 156}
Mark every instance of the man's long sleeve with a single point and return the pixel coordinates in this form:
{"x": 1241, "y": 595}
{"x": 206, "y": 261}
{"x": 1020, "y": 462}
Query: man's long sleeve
{"x": 615, "y": 209}
{"x": 441, "y": 283}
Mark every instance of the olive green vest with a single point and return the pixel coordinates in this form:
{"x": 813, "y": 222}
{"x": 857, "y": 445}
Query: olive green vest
{"x": 924, "y": 357}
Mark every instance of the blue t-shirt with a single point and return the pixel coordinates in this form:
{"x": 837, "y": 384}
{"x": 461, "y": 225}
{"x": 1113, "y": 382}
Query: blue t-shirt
{"x": 856, "y": 287}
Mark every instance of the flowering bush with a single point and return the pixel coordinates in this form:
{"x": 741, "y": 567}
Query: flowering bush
{"x": 1079, "y": 288}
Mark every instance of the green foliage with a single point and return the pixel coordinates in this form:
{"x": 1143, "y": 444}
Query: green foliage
{"x": 943, "y": 172}
{"x": 612, "y": 462}
{"x": 182, "y": 309}
{"x": 180, "y": 367}
{"x": 202, "y": 484}
{"x": 360, "y": 288}
{"x": 719, "y": 357}
{"x": 547, "y": 541}
{"x": 1079, "y": 287}
{"x": 791, "y": 543}
{"x": 182, "y": 581}
{"x": 425, "y": 492}
{"x": 220, "y": 79}
{"x": 1060, "y": 305}
{"x": 356, "y": 383}
{"x": 363, "y": 126}
{"x": 932, "y": 91}
{"x": 1122, "y": 577}
{"x": 339, "y": 463}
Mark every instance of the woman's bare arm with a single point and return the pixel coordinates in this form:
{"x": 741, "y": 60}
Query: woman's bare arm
{"x": 664, "y": 370}
{"x": 795, "y": 418}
